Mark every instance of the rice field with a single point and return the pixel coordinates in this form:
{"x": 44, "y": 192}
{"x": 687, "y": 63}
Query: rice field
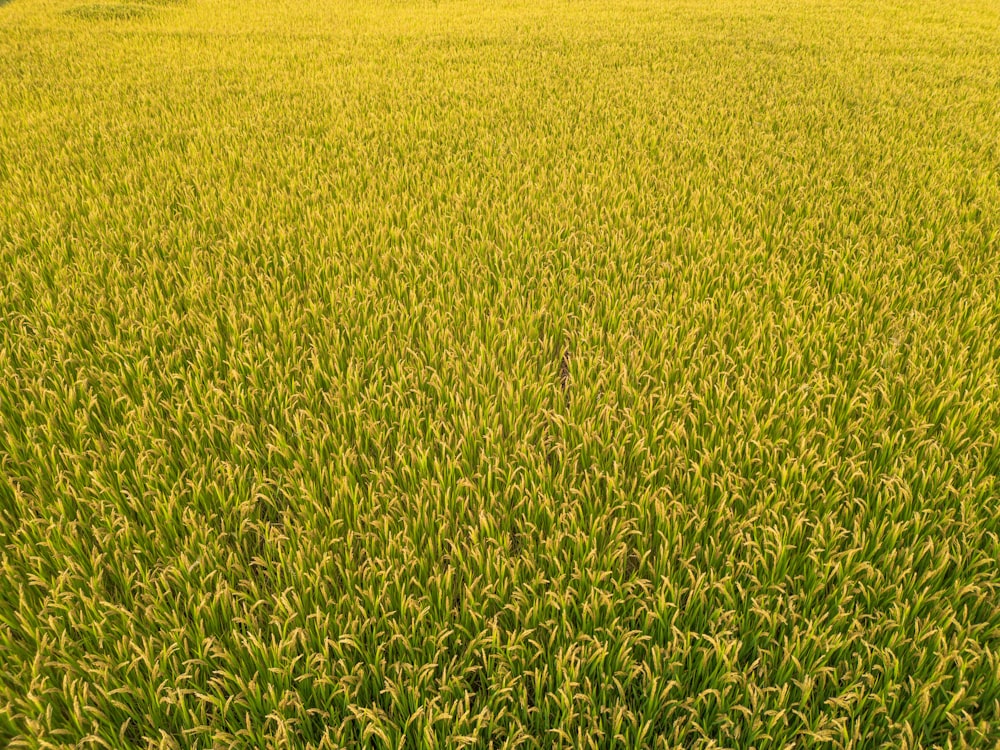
{"x": 443, "y": 374}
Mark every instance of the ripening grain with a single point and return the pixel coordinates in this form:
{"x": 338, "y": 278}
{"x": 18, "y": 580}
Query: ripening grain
{"x": 499, "y": 374}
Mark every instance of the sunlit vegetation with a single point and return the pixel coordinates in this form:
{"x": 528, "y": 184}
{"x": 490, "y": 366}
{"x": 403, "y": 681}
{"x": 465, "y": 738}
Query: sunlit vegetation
{"x": 518, "y": 374}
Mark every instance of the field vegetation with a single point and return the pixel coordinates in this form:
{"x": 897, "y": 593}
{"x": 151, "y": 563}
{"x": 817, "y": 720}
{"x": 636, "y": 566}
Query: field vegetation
{"x": 566, "y": 373}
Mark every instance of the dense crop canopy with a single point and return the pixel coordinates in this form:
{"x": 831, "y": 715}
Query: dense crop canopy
{"x": 517, "y": 374}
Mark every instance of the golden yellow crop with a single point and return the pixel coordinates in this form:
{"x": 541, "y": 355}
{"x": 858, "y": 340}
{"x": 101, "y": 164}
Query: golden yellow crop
{"x": 570, "y": 373}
